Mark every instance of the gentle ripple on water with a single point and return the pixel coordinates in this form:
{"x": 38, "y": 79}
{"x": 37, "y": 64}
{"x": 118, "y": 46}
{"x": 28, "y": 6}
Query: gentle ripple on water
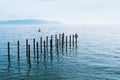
{"x": 96, "y": 58}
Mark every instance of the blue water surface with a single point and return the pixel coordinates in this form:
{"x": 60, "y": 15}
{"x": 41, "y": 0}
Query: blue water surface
{"x": 97, "y": 56}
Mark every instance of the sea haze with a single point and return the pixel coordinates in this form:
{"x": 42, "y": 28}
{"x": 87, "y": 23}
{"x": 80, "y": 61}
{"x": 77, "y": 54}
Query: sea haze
{"x": 27, "y": 21}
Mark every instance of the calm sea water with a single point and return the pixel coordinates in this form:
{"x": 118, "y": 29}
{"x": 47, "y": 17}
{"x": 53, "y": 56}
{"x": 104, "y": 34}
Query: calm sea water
{"x": 96, "y": 58}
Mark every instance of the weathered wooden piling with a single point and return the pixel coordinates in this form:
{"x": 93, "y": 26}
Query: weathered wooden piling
{"x": 62, "y": 40}
{"x": 66, "y": 43}
{"x": 51, "y": 48}
{"x": 27, "y": 47}
{"x": 57, "y": 45}
{"x": 73, "y": 40}
{"x": 51, "y": 45}
{"x": 41, "y": 44}
{"x": 76, "y": 42}
{"x": 59, "y": 39}
{"x": 8, "y": 52}
{"x": 34, "y": 47}
{"x": 18, "y": 49}
{"x": 63, "y": 35}
{"x": 44, "y": 52}
{"x": 47, "y": 44}
{"x": 29, "y": 60}
{"x": 62, "y": 43}
{"x": 76, "y": 36}
{"x": 37, "y": 50}
{"x": 70, "y": 41}
{"x": 52, "y": 37}
{"x": 56, "y": 41}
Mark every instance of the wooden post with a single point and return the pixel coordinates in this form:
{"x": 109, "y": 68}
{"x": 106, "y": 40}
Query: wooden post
{"x": 62, "y": 43}
{"x": 37, "y": 51}
{"x": 44, "y": 52}
{"x": 34, "y": 47}
{"x": 70, "y": 41}
{"x": 52, "y": 37}
{"x": 66, "y": 43}
{"x": 76, "y": 42}
{"x": 51, "y": 43}
{"x": 57, "y": 45}
{"x": 18, "y": 48}
{"x": 63, "y": 39}
{"x": 47, "y": 44}
{"x": 51, "y": 48}
{"x": 41, "y": 44}
{"x": 27, "y": 47}
{"x": 29, "y": 60}
{"x": 56, "y": 41}
{"x": 73, "y": 40}
{"x": 8, "y": 52}
{"x": 76, "y": 36}
{"x": 59, "y": 39}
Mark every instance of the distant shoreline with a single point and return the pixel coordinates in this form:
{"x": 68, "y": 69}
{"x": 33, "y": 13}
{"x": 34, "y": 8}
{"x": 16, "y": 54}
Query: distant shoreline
{"x": 28, "y": 22}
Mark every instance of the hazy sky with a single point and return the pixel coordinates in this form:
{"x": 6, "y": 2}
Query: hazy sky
{"x": 66, "y": 11}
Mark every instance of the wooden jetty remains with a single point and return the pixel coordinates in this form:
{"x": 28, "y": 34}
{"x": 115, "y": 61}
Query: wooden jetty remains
{"x": 45, "y": 47}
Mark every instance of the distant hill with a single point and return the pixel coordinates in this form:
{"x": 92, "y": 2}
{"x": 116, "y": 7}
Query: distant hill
{"x": 27, "y": 21}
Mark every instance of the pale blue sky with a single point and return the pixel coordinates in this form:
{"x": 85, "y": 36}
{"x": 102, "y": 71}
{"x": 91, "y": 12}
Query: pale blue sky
{"x": 66, "y": 11}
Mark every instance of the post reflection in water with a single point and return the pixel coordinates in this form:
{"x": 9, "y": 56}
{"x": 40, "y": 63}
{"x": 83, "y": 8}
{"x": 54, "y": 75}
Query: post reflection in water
{"x": 97, "y": 47}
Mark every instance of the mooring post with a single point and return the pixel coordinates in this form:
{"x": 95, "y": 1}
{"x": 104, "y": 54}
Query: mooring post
{"x": 76, "y": 41}
{"x": 51, "y": 48}
{"x": 52, "y": 37}
{"x": 18, "y": 48}
{"x": 56, "y": 41}
{"x": 59, "y": 39}
{"x": 9, "y": 52}
{"x": 51, "y": 43}
{"x": 47, "y": 44}
{"x": 34, "y": 47}
{"x": 27, "y": 54}
{"x": 27, "y": 47}
{"x": 37, "y": 51}
{"x": 73, "y": 40}
{"x": 63, "y": 39}
{"x": 66, "y": 43}
{"x": 29, "y": 60}
{"x": 41, "y": 44}
{"x": 44, "y": 52}
{"x": 76, "y": 36}
{"x": 62, "y": 43}
{"x": 57, "y": 45}
{"x": 70, "y": 41}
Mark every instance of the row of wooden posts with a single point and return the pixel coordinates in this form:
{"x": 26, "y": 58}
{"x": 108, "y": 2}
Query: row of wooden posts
{"x": 60, "y": 44}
